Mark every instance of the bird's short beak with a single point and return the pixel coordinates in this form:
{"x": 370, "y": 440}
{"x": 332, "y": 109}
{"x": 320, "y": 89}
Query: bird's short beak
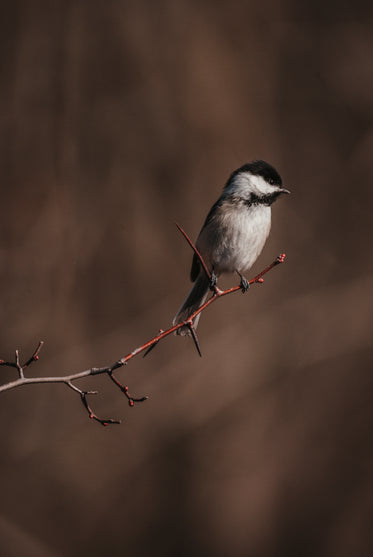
{"x": 283, "y": 190}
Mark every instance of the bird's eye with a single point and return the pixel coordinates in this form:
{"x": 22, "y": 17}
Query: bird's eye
{"x": 271, "y": 181}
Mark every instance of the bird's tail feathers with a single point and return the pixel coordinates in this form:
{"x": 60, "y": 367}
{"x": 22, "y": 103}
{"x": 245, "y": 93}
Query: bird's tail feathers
{"x": 192, "y": 302}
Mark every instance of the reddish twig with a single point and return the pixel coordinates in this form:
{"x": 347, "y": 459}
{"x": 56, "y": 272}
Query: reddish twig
{"x": 204, "y": 266}
{"x": 35, "y": 356}
{"x": 91, "y": 414}
{"x": 124, "y": 390}
{"x": 146, "y": 348}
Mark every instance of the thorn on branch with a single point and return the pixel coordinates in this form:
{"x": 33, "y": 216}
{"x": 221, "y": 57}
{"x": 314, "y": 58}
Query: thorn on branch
{"x": 150, "y": 348}
{"x": 194, "y": 337}
{"x": 152, "y": 345}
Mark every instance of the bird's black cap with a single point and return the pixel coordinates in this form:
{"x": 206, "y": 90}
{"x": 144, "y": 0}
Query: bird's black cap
{"x": 259, "y": 168}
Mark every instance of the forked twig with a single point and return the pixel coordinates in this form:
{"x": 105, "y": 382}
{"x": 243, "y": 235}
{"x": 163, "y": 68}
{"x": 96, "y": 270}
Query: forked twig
{"x": 91, "y": 414}
{"x": 145, "y": 348}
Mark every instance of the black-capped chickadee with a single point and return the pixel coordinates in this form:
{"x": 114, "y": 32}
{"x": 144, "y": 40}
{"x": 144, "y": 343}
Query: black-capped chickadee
{"x": 234, "y": 232}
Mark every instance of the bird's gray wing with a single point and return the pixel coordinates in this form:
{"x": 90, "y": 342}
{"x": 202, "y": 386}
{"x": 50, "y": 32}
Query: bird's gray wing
{"x": 194, "y": 272}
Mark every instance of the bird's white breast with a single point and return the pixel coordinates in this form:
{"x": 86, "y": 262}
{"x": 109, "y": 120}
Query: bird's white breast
{"x": 235, "y": 236}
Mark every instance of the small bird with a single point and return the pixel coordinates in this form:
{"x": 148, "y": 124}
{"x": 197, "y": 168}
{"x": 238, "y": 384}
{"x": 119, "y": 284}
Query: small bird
{"x": 234, "y": 232}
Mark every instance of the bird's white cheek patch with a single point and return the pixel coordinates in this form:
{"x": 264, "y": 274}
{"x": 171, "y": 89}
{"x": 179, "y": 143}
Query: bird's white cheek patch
{"x": 247, "y": 183}
{"x": 262, "y": 186}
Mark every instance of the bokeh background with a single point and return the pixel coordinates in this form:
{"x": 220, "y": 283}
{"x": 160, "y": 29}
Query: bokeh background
{"x": 119, "y": 118}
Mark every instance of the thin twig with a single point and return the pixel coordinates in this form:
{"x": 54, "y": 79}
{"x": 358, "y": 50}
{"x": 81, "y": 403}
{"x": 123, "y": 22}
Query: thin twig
{"x": 124, "y": 390}
{"x": 18, "y": 366}
{"x": 204, "y": 266}
{"x": 35, "y": 355}
{"x": 83, "y": 398}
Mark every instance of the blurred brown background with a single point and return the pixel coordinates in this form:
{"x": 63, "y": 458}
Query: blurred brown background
{"x": 117, "y": 119}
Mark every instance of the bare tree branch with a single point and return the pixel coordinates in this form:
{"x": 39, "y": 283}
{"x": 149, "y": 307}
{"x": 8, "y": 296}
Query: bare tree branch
{"x": 69, "y": 380}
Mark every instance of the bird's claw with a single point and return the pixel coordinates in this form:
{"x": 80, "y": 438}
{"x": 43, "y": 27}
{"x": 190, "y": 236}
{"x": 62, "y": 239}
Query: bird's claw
{"x": 213, "y": 280}
{"x": 244, "y": 285}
